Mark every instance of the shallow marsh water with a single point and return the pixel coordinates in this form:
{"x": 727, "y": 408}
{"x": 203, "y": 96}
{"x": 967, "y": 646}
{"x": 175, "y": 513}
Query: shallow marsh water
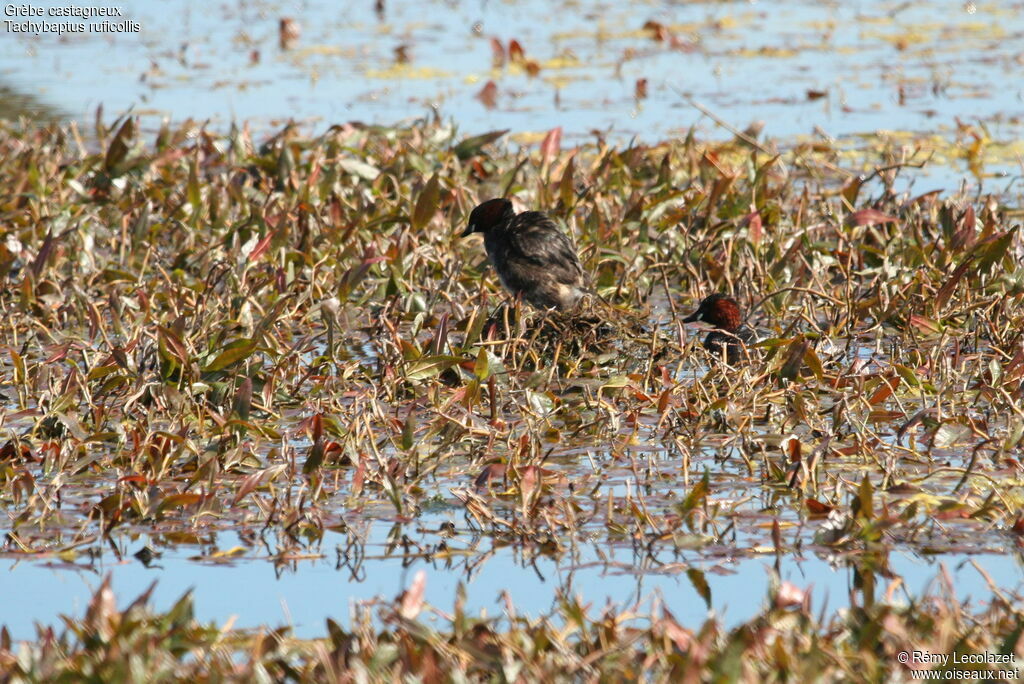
{"x": 927, "y": 75}
{"x": 809, "y": 70}
{"x": 239, "y": 570}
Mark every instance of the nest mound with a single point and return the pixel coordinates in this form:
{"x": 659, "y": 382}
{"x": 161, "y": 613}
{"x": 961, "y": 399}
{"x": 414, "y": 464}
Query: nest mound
{"x": 598, "y": 332}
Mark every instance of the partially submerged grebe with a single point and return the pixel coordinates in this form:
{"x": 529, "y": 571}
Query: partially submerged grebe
{"x": 730, "y": 335}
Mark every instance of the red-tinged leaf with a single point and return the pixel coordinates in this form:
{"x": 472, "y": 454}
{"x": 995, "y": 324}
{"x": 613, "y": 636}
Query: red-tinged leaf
{"x": 412, "y": 598}
{"x": 260, "y": 247}
{"x": 755, "y": 230}
{"x": 953, "y": 514}
{"x": 43, "y": 256}
{"x": 488, "y": 95}
{"x": 551, "y": 144}
{"x": 243, "y": 399}
{"x": 494, "y": 471}
{"x": 360, "y": 476}
{"x": 969, "y": 219}
{"x": 870, "y": 217}
{"x": 944, "y": 293}
{"x": 680, "y": 636}
{"x": 925, "y": 324}
{"x": 882, "y": 416}
{"x": 316, "y": 427}
{"x": 657, "y": 30}
{"x": 885, "y": 390}
{"x": 172, "y": 342}
{"x": 640, "y": 89}
{"x": 257, "y": 479}
{"x": 663, "y": 401}
{"x": 903, "y": 489}
{"x": 516, "y": 54}
{"x": 790, "y": 595}
{"x": 314, "y": 176}
{"x": 176, "y": 500}
{"x": 248, "y": 485}
{"x": 10, "y": 451}
{"x": 818, "y": 508}
{"x": 332, "y": 448}
{"x": 965, "y": 235}
{"x": 529, "y": 481}
{"x": 58, "y": 352}
{"x": 497, "y": 53}
{"x": 1018, "y": 527}
{"x": 791, "y": 449}
{"x": 137, "y": 479}
{"x": 274, "y": 220}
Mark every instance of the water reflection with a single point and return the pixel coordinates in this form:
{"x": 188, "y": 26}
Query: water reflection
{"x": 302, "y": 593}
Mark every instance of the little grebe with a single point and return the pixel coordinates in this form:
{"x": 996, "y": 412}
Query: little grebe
{"x": 532, "y": 256}
{"x": 730, "y": 334}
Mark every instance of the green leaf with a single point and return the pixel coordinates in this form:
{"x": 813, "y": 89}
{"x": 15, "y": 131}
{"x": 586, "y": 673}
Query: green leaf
{"x": 796, "y": 353}
{"x": 700, "y": 583}
{"x": 315, "y": 458}
{"x": 908, "y": 375}
{"x": 862, "y": 506}
{"x": 239, "y": 350}
{"x": 471, "y": 147}
{"x": 243, "y": 399}
{"x": 696, "y": 496}
{"x": 429, "y": 366}
{"x": 616, "y": 381}
{"x": 360, "y": 169}
{"x": 813, "y": 362}
{"x": 192, "y": 189}
{"x": 409, "y": 431}
{"x": 950, "y": 434}
{"x": 119, "y": 146}
{"x": 426, "y": 203}
{"x": 996, "y": 250}
{"x": 482, "y": 368}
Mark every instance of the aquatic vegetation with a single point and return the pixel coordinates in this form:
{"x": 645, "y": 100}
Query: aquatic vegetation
{"x": 284, "y": 339}
{"x": 409, "y": 638}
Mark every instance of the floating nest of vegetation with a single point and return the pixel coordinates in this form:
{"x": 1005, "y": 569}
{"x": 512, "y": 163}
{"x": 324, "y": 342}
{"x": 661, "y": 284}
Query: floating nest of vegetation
{"x": 596, "y": 333}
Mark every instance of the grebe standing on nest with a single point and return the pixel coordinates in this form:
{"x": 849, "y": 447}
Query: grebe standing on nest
{"x": 533, "y": 258}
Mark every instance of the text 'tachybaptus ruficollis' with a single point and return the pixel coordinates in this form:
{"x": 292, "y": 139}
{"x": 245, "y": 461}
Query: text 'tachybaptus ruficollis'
{"x": 533, "y": 258}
